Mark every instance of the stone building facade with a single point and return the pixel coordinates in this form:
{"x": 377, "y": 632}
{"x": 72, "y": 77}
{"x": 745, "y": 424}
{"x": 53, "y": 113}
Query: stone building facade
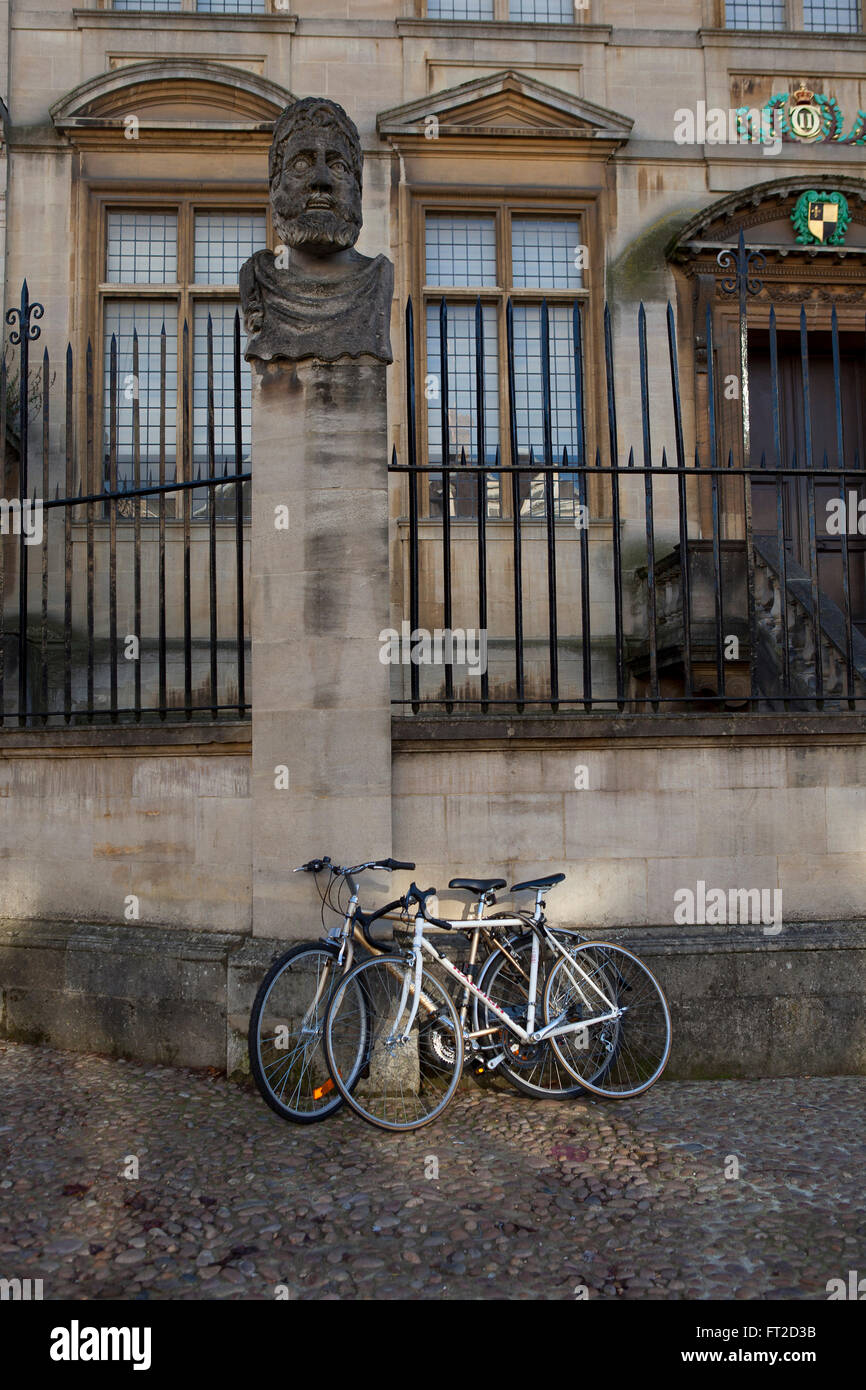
{"x": 514, "y": 149}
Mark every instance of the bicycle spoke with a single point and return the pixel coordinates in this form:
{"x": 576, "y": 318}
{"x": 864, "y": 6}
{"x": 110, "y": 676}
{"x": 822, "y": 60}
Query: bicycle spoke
{"x": 286, "y": 1045}
{"x": 619, "y": 1057}
{"x": 391, "y": 1082}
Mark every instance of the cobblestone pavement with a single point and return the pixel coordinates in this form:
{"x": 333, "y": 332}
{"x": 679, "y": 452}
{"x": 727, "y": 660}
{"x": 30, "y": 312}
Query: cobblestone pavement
{"x": 629, "y": 1200}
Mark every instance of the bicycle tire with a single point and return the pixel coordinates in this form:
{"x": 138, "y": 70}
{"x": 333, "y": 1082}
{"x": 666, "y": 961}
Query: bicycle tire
{"x": 637, "y": 1048}
{"x": 271, "y": 1068}
{"x": 378, "y": 1062}
{"x": 540, "y": 1061}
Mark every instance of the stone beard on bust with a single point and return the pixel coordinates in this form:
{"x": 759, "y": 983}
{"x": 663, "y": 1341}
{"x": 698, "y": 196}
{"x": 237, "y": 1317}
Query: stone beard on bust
{"x": 334, "y": 228}
{"x": 328, "y": 301}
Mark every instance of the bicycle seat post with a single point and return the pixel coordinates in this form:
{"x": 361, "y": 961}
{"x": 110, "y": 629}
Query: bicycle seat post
{"x": 348, "y": 920}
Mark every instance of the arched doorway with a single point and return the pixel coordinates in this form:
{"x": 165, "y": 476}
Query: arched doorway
{"x": 806, "y": 356}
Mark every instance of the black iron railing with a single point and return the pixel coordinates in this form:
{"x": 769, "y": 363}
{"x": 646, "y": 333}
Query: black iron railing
{"x": 134, "y": 610}
{"x": 712, "y": 580}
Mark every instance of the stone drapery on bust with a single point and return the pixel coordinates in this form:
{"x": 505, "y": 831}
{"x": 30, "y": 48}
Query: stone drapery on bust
{"x": 317, "y": 297}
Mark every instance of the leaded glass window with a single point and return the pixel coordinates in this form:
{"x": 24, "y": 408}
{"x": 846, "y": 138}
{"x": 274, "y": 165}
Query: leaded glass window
{"x": 542, "y": 11}
{"x": 831, "y": 16}
{"x": 460, "y": 9}
{"x": 755, "y": 14}
{"x": 191, "y": 256}
{"x": 527, "y": 259}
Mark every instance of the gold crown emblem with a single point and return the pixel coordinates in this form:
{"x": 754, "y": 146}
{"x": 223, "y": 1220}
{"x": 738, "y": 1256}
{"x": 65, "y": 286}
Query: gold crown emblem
{"x": 802, "y": 95}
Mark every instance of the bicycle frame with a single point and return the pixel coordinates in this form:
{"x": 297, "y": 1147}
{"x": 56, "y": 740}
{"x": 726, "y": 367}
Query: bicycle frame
{"x": 354, "y": 930}
{"x": 421, "y": 946}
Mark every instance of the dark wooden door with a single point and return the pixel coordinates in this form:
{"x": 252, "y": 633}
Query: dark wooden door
{"x": 792, "y": 431}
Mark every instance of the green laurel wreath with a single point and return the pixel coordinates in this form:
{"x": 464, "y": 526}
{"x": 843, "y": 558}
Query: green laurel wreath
{"x": 800, "y": 218}
{"x": 831, "y": 120}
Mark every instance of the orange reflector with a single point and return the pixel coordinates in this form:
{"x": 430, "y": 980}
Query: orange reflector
{"x": 323, "y": 1090}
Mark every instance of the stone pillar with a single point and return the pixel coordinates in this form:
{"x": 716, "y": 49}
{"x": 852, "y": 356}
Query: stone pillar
{"x": 317, "y": 316}
{"x": 319, "y": 599}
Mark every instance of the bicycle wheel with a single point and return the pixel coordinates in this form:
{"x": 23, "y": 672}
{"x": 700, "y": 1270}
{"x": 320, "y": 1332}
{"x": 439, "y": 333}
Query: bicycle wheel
{"x": 535, "y": 1070}
{"x": 398, "y": 1083}
{"x": 287, "y": 1057}
{"x": 626, "y": 1055}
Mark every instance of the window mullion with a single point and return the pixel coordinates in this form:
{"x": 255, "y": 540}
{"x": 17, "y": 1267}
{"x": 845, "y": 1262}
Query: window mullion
{"x": 505, "y": 498}
{"x": 184, "y": 275}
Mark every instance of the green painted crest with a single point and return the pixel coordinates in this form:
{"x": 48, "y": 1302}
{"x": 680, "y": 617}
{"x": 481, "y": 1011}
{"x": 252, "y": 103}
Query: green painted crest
{"x": 820, "y": 219}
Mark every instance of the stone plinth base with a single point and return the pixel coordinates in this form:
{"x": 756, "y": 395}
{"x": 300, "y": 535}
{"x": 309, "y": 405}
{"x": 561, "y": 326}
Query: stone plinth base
{"x": 320, "y": 598}
{"x": 739, "y": 1009}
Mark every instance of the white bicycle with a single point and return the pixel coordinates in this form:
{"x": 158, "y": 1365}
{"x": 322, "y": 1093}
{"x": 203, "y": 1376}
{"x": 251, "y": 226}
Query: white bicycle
{"x": 395, "y": 1041}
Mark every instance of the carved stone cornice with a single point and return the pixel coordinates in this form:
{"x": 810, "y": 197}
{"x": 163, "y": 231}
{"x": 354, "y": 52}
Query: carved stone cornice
{"x": 761, "y": 203}
{"x": 807, "y": 294}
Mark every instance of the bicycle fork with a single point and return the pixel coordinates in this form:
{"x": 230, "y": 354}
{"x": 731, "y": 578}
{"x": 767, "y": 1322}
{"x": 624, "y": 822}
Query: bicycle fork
{"x": 414, "y": 969}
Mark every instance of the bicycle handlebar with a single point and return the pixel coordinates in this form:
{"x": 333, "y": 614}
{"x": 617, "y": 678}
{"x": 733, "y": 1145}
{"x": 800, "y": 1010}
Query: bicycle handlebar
{"x": 420, "y": 896}
{"x": 315, "y": 866}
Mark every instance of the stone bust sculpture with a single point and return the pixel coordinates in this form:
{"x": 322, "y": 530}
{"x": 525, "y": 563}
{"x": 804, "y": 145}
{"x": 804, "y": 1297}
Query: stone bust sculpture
{"x": 317, "y": 296}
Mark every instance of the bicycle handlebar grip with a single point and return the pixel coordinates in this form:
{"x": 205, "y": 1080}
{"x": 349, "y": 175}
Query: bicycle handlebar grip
{"x": 437, "y": 922}
{"x": 397, "y": 864}
{"x": 420, "y": 896}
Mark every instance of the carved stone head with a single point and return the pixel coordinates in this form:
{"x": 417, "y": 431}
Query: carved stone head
{"x": 315, "y": 177}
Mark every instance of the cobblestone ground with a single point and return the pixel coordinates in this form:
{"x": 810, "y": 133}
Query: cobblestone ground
{"x": 630, "y": 1200}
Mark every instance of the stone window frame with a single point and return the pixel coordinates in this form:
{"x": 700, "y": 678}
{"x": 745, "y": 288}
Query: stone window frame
{"x": 794, "y": 21}
{"x": 503, "y": 206}
{"x": 134, "y": 197}
{"x": 501, "y": 15}
{"x": 280, "y": 8}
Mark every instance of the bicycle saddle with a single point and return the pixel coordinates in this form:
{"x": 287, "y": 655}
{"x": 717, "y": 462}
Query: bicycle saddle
{"x": 478, "y": 885}
{"x": 538, "y": 883}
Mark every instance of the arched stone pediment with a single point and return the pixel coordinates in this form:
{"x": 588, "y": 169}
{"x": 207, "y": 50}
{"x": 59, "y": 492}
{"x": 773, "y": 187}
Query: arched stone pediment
{"x": 195, "y": 97}
{"x": 763, "y": 213}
